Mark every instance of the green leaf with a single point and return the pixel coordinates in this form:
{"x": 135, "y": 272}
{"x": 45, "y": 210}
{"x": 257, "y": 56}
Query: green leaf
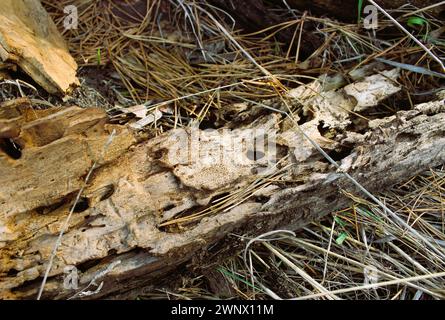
{"x": 98, "y": 57}
{"x": 236, "y": 277}
{"x": 360, "y": 6}
{"x": 416, "y": 21}
{"x": 367, "y": 213}
{"x": 339, "y": 221}
{"x": 341, "y": 238}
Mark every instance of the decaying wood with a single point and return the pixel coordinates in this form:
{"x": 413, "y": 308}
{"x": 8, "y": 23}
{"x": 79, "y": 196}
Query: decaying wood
{"x": 129, "y": 231}
{"x": 30, "y": 39}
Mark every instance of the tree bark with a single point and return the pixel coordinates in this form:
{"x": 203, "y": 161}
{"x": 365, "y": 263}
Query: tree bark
{"x": 152, "y": 206}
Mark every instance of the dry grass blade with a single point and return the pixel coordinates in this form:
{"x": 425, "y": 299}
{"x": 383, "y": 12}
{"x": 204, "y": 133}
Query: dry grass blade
{"x": 409, "y": 34}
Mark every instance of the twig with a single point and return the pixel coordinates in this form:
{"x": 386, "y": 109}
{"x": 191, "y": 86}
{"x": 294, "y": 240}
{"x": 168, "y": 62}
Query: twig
{"x": 424, "y": 9}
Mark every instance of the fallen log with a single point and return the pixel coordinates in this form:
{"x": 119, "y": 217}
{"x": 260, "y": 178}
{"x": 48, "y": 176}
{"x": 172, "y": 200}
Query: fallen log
{"x": 151, "y": 206}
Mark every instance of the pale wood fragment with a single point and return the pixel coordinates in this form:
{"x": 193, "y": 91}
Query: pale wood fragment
{"x": 30, "y": 39}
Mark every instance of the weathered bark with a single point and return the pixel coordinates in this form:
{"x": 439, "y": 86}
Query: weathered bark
{"x": 129, "y": 228}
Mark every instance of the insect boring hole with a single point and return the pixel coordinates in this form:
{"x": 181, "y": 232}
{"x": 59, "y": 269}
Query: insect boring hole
{"x": 11, "y": 148}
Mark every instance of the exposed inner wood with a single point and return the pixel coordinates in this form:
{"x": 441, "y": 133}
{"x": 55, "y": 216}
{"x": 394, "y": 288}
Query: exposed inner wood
{"x": 30, "y": 39}
{"x": 147, "y": 209}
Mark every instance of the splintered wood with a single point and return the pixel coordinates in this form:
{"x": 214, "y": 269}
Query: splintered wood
{"x": 30, "y": 39}
{"x": 151, "y": 205}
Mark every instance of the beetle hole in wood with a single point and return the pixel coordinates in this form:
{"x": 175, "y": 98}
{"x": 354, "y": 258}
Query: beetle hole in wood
{"x": 81, "y": 205}
{"x": 84, "y": 266}
{"x": 305, "y": 116}
{"x": 158, "y": 154}
{"x": 169, "y": 207}
{"x": 51, "y": 208}
{"x": 109, "y": 191}
{"x": 338, "y": 155}
{"x": 322, "y": 128}
{"x": 11, "y": 148}
{"x": 12, "y": 272}
{"x": 262, "y": 199}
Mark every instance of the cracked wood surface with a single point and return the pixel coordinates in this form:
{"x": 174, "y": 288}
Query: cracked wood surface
{"x": 133, "y": 212}
{"x": 29, "y": 38}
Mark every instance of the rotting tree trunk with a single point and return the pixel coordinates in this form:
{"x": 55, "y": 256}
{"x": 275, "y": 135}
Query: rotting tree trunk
{"x": 134, "y": 225}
